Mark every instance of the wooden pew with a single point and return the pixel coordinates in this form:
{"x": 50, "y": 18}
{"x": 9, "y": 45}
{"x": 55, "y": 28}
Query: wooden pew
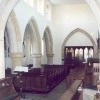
{"x": 41, "y": 79}
{"x": 7, "y": 91}
{"x": 71, "y": 91}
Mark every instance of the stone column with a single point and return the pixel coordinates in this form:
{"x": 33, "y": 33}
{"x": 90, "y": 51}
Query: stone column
{"x": 50, "y": 58}
{"x": 99, "y": 54}
{"x": 2, "y": 62}
{"x": 27, "y": 38}
{"x": 83, "y": 54}
{"x": 16, "y": 60}
{"x": 74, "y": 53}
{"x": 36, "y": 60}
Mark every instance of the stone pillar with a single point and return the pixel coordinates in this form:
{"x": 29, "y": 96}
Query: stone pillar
{"x": 16, "y": 60}
{"x": 99, "y": 54}
{"x": 2, "y": 62}
{"x": 50, "y": 58}
{"x": 74, "y": 53}
{"x": 83, "y": 54}
{"x": 36, "y": 60}
{"x": 27, "y": 39}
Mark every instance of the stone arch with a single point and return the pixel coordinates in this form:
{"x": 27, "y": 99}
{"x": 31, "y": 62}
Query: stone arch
{"x": 95, "y": 7}
{"x": 35, "y": 35}
{"x": 49, "y": 45}
{"x": 36, "y": 41}
{"x": 48, "y": 39}
{"x": 15, "y": 40}
{"x": 6, "y": 7}
{"x": 14, "y": 33}
{"x": 85, "y": 33}
{"x": 5, "y": 10}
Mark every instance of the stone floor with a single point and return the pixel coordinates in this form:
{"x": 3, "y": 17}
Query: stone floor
{"x": 55, "y": 94}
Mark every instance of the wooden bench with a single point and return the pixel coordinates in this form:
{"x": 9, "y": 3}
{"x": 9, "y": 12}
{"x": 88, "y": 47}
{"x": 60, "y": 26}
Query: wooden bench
{"x": 7, "y": 91}
{"x": 71, "y": 91}
{"x": 36, "y": 80}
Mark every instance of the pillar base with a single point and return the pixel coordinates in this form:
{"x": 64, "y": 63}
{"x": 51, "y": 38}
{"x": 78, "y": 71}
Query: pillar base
{"x": 16, "y": 60}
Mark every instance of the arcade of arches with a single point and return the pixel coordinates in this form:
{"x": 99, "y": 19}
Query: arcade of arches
{"x": 27, "y": 37}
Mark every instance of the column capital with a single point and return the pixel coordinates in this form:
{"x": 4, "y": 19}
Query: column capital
{"x": 16, "y": 55}
{"x": 50, "y": 55}
{"x": 36, "y": 55}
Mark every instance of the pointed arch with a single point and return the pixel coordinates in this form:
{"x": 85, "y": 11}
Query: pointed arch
{"x": 85, "y": 33}
{"x": 15, "y": 41}
{"x": 14, "y": 33}
{"x": 48, "y": 40}
{"x": 6, "y": 7}
{"x": 48, "y": 44}
{"x": 35, "y": 35}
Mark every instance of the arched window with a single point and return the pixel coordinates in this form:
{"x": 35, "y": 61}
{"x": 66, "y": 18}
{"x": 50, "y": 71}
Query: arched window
{"x": 48, "y": 11}
{"x": 30, "y": 2}
{"x": 39, "y": 6}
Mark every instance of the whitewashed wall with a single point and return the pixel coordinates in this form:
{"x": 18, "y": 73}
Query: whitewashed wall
{"x": 67, "y": 18}
{"x": 64, "y": 20}
{"x": 79, "y": 39}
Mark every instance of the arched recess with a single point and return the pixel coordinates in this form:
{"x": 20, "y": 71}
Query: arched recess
{"x": 15, "y": 40}
{"x": 6, "y": 7}
{"x": 85, "y": 33}
{"x": 35, "y": 35}
{"x": 49, "y": 45}
{"x": 35, "y": 41}
{"x": 14, "y": 33}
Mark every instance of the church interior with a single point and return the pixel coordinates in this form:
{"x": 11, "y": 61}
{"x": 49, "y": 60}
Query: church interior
{"x": 50, "y": 49}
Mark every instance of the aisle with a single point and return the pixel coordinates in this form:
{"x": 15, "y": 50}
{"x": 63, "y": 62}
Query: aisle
{"x": 55, "y": 94}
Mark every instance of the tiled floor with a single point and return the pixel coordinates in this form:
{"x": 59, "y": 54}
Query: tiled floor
{"x": 55, "y": 94}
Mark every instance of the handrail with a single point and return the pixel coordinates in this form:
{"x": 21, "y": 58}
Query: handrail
{"x": 70, "y": 92}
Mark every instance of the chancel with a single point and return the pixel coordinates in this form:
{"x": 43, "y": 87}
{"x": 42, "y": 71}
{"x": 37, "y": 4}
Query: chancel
{"x": 59, "y": 43}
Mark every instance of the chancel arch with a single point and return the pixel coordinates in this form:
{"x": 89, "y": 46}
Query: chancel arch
{"x": 13, "y": 34}
{"x": 48, "y": 42}
{"x": 85, "y": 33}
{"x": 32, "y": 40}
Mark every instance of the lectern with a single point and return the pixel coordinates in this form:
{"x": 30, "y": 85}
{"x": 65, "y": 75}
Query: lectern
{"x": 20, "y": 70}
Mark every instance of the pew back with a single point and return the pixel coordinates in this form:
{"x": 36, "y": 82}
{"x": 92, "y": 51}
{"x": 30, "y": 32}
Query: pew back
{"x": 7, "y": 91}
{"x": 41, "y": 79}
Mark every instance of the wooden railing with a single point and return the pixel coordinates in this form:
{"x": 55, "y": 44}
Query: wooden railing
{"x": 71, "y": 91}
